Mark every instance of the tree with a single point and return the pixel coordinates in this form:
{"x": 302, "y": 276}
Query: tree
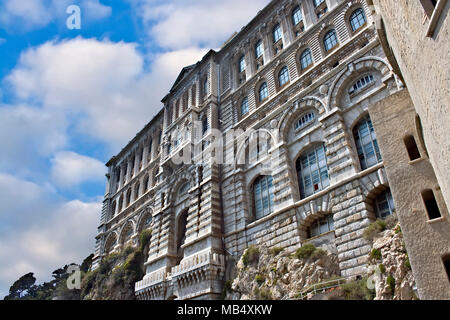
{"x": 21, "y": 286}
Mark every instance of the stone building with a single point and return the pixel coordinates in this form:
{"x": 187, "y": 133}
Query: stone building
{"x": 268, "y": 140}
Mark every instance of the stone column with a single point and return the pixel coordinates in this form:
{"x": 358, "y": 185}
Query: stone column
{"x": 309, "y": 15}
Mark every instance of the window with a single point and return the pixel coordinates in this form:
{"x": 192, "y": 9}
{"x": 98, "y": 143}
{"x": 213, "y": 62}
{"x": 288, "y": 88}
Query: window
{"x": 320, "y": 8}
{"x": 296, "y": 16}
{"x": 357, "y": 19}
{"x": 128, "y": 198}
{"x": 330, "y": 40}
{"x": 146, "y": 186}
{"x": 431, "y": 205}
{"x": 366, "y": 143}
{"x": 205, "y": 86}
{"x": 429, "y": 6}
{"x": 312, "y": 171}
{"x": 283, "y": 76}
{"x": 321, "y": 226}
{"x": 411, "y": 147}
{"x": 204, "y": 125}
{"x": 306, "y": 59}
{"x": 263, "y": 196}
{"x": 113, "y": 209}
{"x": 148, "y": 221}
{"x": 384, "y": 204}
{"x": 242, "y": 63}
{"x": 446, "y": 261}
{"x": 304, "y": 120}
{"x": 263, "y": 93}
{"x": 276, "y": 32}
{"x": 150, "y": 150}
{"x": 184, "y": 188}
{"x": 258, "y": 49}
{"x": 360, "y": 84}
{"x": 119, "y": 208}
{"x": 136, "y": 191}
{"x": 244, "y": 106}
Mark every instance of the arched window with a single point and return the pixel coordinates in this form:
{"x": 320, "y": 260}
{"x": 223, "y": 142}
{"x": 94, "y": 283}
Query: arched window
{"x": 320, "y": 8}
{"x": 181, "y": 235}
{"x": 384, "y": 204}
{"x": 120, "y": 207}
{"x": 306, "y": 59}
{"x": 263, "y": 196}
{"x": 330, "y": 40}
{"x": 136, "y": 191}
{"x": 146, "y": 186}
{"x": 312, "y": 171}
{"x": 360, "y": 84}
{"x": 258, "y": 49}
{"x": 128, "y": 198}
{"x": 113, "y": 208}
{"x": 148, "y": 221}
{"x": 357, "y": 19}
{"x": 321, "y": 226}
{"x": 283, "y": 76}
{"x": 296, "y": 16}
{"x": 184, "y": 188}
{"x": 244, "y": 106}
{"x": 263, "y": 92}
{"x": 366, "y": 143}
{"x": 150, "y": 150}
{"x": 304, "y": 120}
{"x": 242, "y": 63}
{"x": 276, "y": 32}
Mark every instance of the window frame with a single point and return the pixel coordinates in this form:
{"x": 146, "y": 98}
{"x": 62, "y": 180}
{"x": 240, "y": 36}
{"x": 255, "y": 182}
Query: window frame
{"x": 356, "y": 11}
{"x": 245, "y": 99}
{"x": 326, "y": 37}
{"x": 269, "y": 189}
{"x": 366, "y": 120}
{"x": 301, "y": 57}
{"x": 260, "y": 90}
{"x": 286, "y": 78}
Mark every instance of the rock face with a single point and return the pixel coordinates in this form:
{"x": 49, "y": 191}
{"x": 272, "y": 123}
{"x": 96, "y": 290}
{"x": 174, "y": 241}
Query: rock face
{"x": 279, "y": 276}
{"x": 390, "y": 271}
{"x": 263, "y": 273}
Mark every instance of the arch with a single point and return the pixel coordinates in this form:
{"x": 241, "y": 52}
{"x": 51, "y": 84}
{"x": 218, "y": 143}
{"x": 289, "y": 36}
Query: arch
{"x": 244, "y": 144}
{"x": 110, "y": 242}
{"x": 282, "y": 73}
{"x": 142, "y": 219}
{"x": 182, "y": 178}
{"x": 357, "y": 4}
{"x": 321, "y": 37}
{"x": 126, "y": 231}
{"x": 290, "y": 115}
{"x": 366, "y": 63}
{"x": 180, "y": 234}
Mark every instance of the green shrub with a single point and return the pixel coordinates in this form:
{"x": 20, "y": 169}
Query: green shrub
{"x": 305, "y": 251}
{"x": 275, "y": 251}
{"x": 251, "y": 255}
{"x": 407, "y": 264}
{"x": 317, "y": 254}
{"x": 373, "y": 229}
{"x": 391, "y": 221}
{"x": 144, "y": 239}
{"x": 357, "y": 290}
{"x": 398, "y": 230}
{"x": 375, "y": 254}
{"x": 382, "y": 268}
{"x": 227, "y": 288}
{"x": 391, "y": 282}
{"x": 260, "y": 278}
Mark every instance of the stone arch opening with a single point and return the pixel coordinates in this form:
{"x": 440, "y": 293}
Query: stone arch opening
{"x": 181, "y": 235}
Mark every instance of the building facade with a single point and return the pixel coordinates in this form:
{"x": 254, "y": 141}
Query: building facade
{"x": 269, "y": 140}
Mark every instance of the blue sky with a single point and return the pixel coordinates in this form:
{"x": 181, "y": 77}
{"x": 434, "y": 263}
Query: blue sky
{"x": 71, "y": 99}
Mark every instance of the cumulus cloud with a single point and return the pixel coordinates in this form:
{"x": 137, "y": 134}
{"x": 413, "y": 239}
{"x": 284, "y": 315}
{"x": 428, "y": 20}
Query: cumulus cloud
{"x": 70, "y": 169}
{"x": 205, "y": 23}
{"x": 41, "y": 232}
{"x": 27, "y": 15}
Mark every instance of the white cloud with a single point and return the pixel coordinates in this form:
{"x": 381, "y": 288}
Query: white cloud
{"x": 40, "y": 232}
{"x": 29, "y": 134}
{"x": 70, "y": 169}
{"x": 102, "y": 82}
{"x": 205, "y": 23}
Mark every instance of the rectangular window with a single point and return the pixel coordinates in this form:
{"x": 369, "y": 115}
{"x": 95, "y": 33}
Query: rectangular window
{"x": 431, "y": 205}
{"x": 411, "y": 147}
{"x": 446, "y": 261}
